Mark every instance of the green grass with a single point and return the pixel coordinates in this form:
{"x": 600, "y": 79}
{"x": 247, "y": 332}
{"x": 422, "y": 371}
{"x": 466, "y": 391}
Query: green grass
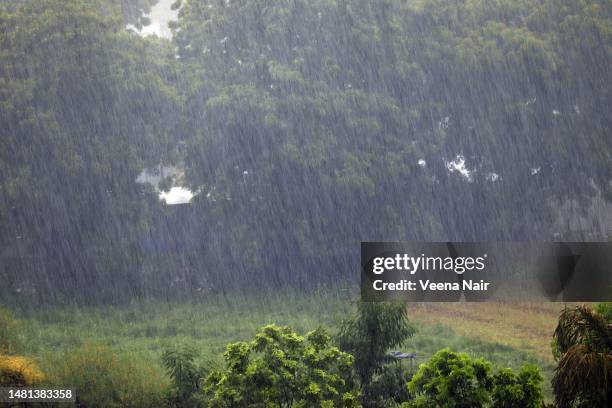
{"x": 145, "y": 329}
{"x": 141, "y": 331}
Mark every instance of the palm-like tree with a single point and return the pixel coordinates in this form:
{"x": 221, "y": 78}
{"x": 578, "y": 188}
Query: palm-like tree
{"x": 583, "y": 377}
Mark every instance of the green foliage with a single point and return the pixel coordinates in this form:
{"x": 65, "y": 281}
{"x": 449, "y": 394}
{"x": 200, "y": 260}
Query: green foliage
{"x": 512, "y": 390}
{"x": 369, "y": 335}
{"x": 106, "y": 379}
{"x": 186, "y": 375}
{"x": 388, "y": 387}
{"x": 83, "y": 117}
{"x": 138, "y": 330}
{"x": 452, "y": 379}
{"x": 584, "y": 341}
{"x": 281, "y": 368}
{"x": 605, "y": 309}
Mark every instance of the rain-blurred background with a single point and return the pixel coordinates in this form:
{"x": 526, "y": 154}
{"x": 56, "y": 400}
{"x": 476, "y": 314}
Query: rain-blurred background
{"x": 154, "y": 153}
{"x": 164, "y": 149}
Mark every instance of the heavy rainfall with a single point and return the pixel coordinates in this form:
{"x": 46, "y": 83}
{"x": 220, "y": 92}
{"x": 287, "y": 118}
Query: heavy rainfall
{"x": 175, "y": 175}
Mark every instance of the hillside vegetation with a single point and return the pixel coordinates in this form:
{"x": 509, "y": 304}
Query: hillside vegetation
{"x": 302, "y": 127}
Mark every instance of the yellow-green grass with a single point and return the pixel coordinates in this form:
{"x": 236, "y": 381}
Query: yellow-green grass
{"x": 524, "y": 326}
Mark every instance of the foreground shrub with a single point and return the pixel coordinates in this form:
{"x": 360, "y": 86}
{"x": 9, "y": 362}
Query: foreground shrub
{"x": 283, "y": 369}
{"x": 103, "y": 379}
{"x": 16, "y": 371}
{"x": 455, "y": 380}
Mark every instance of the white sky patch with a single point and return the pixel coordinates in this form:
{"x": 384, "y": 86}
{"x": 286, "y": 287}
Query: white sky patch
{"x": 535, "y": 170}
{"x": 458, "y": 165}
{"x": 556, "y": 112}
{"x": 422, "y": 162}
{"x": 176, "y": 195}
{"x": 161, "y": 14}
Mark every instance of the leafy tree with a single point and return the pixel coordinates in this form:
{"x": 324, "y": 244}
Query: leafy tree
{"x": 281, "y": 368}
{"x": 455, "y": 380}
{"x": 452, "y": 379}
{"x": 369, "y": 335}
{"x": 388, "y": 387}
{"x": 84, "y": 108}
{"x": 583, "y": 377}
{"x": 186, "y": 375}
{"x": 512, "y": 390}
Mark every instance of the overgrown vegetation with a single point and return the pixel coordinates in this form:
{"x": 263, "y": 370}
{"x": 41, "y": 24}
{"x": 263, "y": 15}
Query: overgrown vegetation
{"x": 104, "y": 378}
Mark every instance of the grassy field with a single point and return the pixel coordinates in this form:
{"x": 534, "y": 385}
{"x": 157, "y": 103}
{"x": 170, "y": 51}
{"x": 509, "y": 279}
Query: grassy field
{"x": 522, "y": 326}
{"x": 508, "y": 335}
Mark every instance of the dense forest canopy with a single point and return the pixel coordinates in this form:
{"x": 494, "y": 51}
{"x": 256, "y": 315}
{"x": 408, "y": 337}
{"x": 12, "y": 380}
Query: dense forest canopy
{"x": 302, "y": 127}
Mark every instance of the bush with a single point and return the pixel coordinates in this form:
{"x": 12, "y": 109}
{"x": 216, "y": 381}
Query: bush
{"x": 16, "y": 371}
{"x": 283, "y": 369}
{"x": 103, "y": 379}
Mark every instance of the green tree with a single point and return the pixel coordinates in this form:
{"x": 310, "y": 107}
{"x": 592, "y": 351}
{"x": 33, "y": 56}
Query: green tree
{"x": 281, "y": 368}
{"x": 186, "y": 375}
{"x": 452, "y": 379}
{"x": 455, "y": 380}
{"x": 84, "y": 108}
{"x": 583, "y": 377}
{"x": 511, "y": 390}
{"x": 369, "y": 335}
